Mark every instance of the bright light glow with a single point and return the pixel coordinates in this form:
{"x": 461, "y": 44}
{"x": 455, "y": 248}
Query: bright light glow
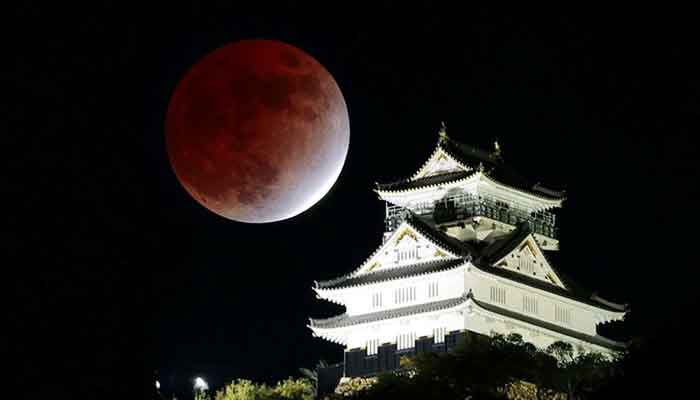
{"x": 200, "y": 384}
{"x": 157, "y": 385}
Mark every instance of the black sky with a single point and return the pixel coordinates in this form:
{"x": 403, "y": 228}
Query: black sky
{"x": 115, "y": 272}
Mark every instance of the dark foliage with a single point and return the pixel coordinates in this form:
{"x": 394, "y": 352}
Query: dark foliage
{"x": 483, "y": 367}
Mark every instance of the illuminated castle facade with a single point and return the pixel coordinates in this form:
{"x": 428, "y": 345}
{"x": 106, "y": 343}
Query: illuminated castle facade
{"x": 464, "y": 249}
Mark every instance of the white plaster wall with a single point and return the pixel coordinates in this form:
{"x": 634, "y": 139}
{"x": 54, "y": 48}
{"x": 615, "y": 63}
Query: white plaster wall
{"x": 358, "y": 300}
{"x": 386, "y": 331}
{"x": 488, "y": 324}
{"x": 582, "y": 318}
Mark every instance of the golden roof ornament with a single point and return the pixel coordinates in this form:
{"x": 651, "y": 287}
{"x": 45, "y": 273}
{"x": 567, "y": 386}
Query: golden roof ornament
{"x": 443, "y": 131}
{"x": 496, "y": 150}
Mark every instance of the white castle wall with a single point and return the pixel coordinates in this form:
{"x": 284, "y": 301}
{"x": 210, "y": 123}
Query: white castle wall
{"x": 414, "y": 326}
{"x": 414, "y": 290}
{"x": 580, "y": 317}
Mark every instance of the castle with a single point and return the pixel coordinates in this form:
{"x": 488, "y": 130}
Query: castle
{"x": 464, "y": 249}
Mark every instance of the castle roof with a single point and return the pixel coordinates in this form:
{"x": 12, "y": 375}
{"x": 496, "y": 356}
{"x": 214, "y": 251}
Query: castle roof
{"x": 453, "y": 244}
{"x": 345, "y": 320}
{"x": 500, "y": 248}
{"x": 482, "y": 257}
{"x": 472, "y": 159}
{"x": 391, "y": 273}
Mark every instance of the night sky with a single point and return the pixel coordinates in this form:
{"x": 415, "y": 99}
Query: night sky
{"x": 117, "y": 273}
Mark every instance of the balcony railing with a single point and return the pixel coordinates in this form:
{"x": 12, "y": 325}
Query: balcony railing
{"x": 463, "y": 206}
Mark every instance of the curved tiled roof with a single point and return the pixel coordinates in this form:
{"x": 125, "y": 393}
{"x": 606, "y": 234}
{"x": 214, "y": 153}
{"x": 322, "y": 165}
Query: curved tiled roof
{"x": 391, "y": 274}
{"x": 483, "y": 259}
{"x": 347, "y": 320}
{"x": 425, "y": 181}
{"x": 453, "y": 244}
{"x": 496, "y": 168}
{"x": 472, "y": 156}
{"x": 344, "y": 320}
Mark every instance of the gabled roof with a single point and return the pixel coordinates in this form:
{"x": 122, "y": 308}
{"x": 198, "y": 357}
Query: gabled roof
{"x": 484, "y": 258}
{"x": 440, "y": 161}
{"x": 440, "y": 179}
{"x": 392, "y": 273}
{"x": 508, "y": 243}
{"x": 452, "y": 246}
{"x": 504, "y": 245}
{"x": 496, "y": 168}
{"x": 476, "y": 159}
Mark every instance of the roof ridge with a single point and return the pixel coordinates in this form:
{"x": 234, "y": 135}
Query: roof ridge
{"x": 529, "y": 190}
{"x": 410, "y": 270}
{"x": 460, "y": 248}
{"x": 507, "y": 244}
{"x": 439, "y": 178}
{"x": 345, "y": 320}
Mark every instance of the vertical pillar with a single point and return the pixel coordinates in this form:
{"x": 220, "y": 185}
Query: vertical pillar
{"x": 424, "y": 345}
{"x": 387, "y": 357}
{"x": 355, "y": 362}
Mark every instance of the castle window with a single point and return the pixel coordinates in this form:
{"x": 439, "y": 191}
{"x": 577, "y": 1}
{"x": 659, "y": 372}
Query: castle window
{"x": 562, "y": 314}
{"x": 530, "y": 305}
{"x": 498, "y": 295}
{"x": 404, "y": 295}
{"x": 502, "y": 204}
{"x": 372, "y": 347}
{"x": 406, "y": 254}
{"x": 439, "y": 335}
{"x": 526, "y": 263}
{"x": 377, "y": 300}
{"x": 405, "y": 341}
{"x": 433, "y": 289}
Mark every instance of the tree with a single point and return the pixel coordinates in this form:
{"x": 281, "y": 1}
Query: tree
{"x": 243, "y": 389}
{"x": 312, "y": 376}
{"x": 579, "y": 373}
{"x": 288, "y": 389}
{"x": 294, "y": 389}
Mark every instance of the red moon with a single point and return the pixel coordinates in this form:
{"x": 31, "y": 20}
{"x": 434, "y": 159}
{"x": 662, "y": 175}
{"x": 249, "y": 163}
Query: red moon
{"x": 257, "y": 131}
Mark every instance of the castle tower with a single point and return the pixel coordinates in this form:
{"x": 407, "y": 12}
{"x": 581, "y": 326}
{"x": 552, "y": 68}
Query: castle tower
{"x": 464, "y": 249}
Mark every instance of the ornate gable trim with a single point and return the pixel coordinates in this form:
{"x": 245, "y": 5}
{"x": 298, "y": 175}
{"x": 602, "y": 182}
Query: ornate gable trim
{"x": 405, "y": 229}
{"x": 530, "y": 245}
{"x": 439, "y": 155}
{"x": 372, "y": 262}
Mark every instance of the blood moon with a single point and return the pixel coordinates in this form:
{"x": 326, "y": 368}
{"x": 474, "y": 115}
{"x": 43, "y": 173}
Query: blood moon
{"x": 257, "y": 131}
